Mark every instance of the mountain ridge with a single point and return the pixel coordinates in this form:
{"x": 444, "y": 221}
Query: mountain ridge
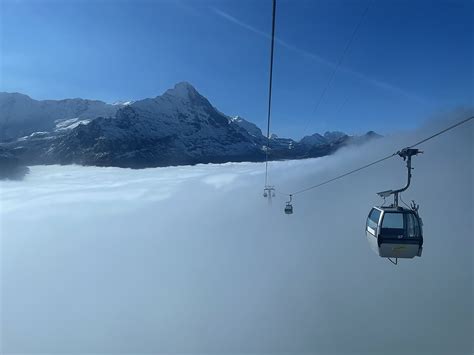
{"x": 179, "y": 127}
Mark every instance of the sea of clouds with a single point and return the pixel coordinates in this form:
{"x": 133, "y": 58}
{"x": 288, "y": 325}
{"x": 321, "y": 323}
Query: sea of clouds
{"x": 194, "y": 260}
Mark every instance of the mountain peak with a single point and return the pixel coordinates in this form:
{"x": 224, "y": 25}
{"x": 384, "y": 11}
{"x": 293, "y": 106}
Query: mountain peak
{"x": 183, "y": 90}
{"x": 334, "y": 135}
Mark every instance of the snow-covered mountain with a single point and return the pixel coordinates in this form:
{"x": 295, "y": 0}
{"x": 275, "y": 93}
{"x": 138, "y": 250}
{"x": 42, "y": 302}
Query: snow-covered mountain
{"x": 176, "y": 128}
{"x": 21, "y": 115}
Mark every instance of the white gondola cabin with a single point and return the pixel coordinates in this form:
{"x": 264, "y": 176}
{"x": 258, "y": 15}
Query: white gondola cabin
{"x": 395, "y": 232}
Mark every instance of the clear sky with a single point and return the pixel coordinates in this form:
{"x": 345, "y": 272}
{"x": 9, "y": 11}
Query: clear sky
{"x": 410, "y": 60}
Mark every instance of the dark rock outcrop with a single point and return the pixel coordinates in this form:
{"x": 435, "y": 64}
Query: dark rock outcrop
{"x": 10, "y": 166}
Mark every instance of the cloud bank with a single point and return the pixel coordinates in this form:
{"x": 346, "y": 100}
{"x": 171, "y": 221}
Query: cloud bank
{"x": 195, "y": 260}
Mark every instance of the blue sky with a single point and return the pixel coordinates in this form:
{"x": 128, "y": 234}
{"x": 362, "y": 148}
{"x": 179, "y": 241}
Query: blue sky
{"x": 409, "y": 61}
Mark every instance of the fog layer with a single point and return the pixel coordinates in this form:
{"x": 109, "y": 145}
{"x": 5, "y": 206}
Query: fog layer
{"x": 195, "y": 260}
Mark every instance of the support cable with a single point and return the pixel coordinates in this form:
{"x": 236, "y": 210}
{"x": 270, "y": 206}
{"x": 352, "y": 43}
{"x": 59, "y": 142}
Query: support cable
{"x": 272, "y": 46}
{"x": 338, "y": 65}
{"x": 380, "y": 160}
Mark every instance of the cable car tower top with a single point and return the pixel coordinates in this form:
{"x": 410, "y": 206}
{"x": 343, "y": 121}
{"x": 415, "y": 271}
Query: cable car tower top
{"x": 269, "y": 191}
{"x": 406, "y": 154}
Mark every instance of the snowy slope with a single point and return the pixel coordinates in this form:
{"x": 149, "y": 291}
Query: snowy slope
{"x": 21, "y": 115}
{"x": 248, "y": 126}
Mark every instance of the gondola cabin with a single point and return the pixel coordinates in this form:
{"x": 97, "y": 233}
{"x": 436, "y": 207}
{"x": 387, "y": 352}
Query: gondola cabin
{"x": 394, "y": 232}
